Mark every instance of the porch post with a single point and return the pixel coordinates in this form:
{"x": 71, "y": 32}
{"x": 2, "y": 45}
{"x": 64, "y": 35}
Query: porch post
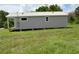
{"x": 8, "y": 23}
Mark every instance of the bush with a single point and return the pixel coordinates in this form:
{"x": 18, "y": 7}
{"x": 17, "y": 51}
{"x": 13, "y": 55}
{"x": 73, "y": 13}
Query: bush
{"x": 11, "y": 23}
{"x": 71, "y": 19}
{"x": 77, "y": 20}
{"x": 3, "y": 18}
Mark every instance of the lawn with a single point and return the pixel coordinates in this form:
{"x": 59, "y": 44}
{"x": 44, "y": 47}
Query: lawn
{"x": 46, "y": 41}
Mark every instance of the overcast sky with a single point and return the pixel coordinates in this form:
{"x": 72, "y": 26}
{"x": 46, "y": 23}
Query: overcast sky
{"x": 31, "y": 7}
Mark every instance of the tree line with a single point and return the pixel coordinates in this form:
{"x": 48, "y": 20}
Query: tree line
{"x": 48, "y": 8}
{"x": 73, "y": 17}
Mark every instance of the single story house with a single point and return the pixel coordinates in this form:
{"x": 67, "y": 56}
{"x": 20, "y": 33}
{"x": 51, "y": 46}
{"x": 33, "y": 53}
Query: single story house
{"x": 31, "y": 20}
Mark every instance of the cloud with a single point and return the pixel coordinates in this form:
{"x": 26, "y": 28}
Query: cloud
{"x": 21, "y": 8}
{"x": 31, "y": 7}
{"x": 69, "y": 7}
{"x": 10, "y": 7}
{"x": 65, "y": 7}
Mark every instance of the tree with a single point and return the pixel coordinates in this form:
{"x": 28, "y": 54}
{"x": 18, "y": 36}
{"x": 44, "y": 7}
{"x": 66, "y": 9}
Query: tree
{"x": 54, "y": 8}
{"x": 42, "y": 8}
{"x": 48, "y": 8}
{"x": 77, "y": 11}
{"x": 71, "y": 17}
{"x": 77, "y": 15}
{"x": 3, "y": 18}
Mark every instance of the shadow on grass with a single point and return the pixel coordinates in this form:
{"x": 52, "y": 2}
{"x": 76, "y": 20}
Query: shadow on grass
{"x": 40, "y": 29}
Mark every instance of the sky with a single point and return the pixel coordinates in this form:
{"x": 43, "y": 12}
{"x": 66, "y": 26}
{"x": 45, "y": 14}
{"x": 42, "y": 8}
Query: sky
{"x": 11, "y": 8}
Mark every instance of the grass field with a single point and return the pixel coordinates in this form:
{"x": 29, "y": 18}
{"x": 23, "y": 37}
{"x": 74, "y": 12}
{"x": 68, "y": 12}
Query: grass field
{"x": 46, "y": 41}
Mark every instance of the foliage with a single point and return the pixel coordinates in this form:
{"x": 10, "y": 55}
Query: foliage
{"x": 71, "y": 17}
{"x": 42, "y": 9}
{"x": 11, "y": 23}
{"x": 48, "y": 8}
{"x": 77, "y": 11}
{"x": 54, "y": 8}
{"x": 77, "y": 15}
{"x": 3, "y": 18}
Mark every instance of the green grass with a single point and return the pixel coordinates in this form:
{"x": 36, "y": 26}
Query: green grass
{"x": 47, "y": 41}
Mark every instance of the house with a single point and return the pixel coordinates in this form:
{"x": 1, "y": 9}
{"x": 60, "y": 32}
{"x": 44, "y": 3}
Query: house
{"x": 31, "y": 20}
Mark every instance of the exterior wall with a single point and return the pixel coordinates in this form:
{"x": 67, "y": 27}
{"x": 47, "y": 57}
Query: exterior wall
{"x": 33, "y": 22}
{"x": 56, "y": 21}
{"x": 40, "y": 22}
{"x": 17, "y": 23}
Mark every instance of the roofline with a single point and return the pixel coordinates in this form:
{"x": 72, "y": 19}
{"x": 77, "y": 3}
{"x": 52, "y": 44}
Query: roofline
{"x": 17, "y": 15}
{"x": 37, "y": 15}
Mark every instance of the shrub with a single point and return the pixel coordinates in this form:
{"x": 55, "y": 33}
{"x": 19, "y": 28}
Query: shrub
{"x": 71, "y": 19}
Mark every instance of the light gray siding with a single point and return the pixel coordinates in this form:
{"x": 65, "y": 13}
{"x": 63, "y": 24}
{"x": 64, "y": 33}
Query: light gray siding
{"x": 56, "y": 21}
{"x": 40, "y": 22}
{"x": 17, "y": 23}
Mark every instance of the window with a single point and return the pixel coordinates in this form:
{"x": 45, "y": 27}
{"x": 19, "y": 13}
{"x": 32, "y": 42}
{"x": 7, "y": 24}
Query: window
{"x": 46, "y": 18}
{"x": 23, "y": 18}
